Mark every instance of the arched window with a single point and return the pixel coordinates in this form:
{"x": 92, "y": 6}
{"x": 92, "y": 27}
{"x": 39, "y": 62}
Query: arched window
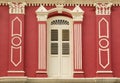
{"x": 59, "y": 22}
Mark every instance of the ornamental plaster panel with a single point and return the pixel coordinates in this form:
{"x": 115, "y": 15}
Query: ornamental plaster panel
{"x": 16, "y": 8}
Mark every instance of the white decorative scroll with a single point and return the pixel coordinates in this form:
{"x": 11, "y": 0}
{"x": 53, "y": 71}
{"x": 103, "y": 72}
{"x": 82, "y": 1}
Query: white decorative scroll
{"x": 17, "y": 8}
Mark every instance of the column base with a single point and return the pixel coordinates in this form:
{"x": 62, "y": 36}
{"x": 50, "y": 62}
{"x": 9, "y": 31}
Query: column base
{"x": 41, "y": 74}
{"x": 16, "y": 73}
{"x": 79, "y": 74}
{"x": 104, "y": 74}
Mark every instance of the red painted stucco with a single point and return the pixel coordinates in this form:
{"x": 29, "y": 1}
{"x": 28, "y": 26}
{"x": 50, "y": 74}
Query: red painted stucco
{"x": 89, "y": 42}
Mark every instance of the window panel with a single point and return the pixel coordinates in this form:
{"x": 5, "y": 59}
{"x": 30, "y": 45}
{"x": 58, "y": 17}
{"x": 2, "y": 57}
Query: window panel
{"x": 54, "y": 35}
{"x": 65, "y": 48}
{"x": 54, "y": 48}
{"x": 65, "y": 35}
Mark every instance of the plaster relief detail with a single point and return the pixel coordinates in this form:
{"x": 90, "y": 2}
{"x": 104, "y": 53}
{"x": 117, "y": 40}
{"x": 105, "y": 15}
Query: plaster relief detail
{"x": 104, "y": 58}
{"x": 103, "y": 8}
{"x": 16, "y": 8}
{"x": 42, "y": 13}
{"x": 16, "y": 41}
{"x": 77, "y": 14}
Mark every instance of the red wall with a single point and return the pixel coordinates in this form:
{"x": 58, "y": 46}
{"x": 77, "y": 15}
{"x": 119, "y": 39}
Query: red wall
{"x": 115, "y": 24}
{"x": 89, "y": 38}
{"x": 89, "y": 41}
{"x": 4, "y": 19}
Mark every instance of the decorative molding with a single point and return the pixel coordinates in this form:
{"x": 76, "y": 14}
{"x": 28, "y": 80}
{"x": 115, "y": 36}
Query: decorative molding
{"x": 17, "y": 8}
{"x": 77, "y": 14}
{"x": 107, "y": 28}
{"x": 64, "y": 2}
{"x": 20, "y": 56}
{"x": 77, "y": 9}
{"x": 42, "y": 13}
{"x": 104, "y": 72}
{"x": 60, "y": 22}
{"x": 16, "y": 36}
{"x": 103, "y": 8}
{"x": 100, "y": 58}
{"x": 79, "y": 72}
{"x": 41, "y": 9}
{"x": 60, "y": 8}
{"x": 41, "y": 71}
{"x": 16, "y": 43}
{"x": 20, "y": 27}
{"x": 104, "y": 40}
{"x": 16, "y": 71}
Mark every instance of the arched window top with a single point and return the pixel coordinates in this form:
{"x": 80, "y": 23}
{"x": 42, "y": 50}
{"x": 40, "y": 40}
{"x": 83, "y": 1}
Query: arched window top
{"x": 60, "y": 22}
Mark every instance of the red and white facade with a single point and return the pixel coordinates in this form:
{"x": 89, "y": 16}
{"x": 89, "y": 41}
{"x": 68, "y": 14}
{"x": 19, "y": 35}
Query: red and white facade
{"x": 59, "y": 40}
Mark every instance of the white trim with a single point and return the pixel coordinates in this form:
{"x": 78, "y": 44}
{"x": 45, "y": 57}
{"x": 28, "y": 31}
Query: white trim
{"x": 59, "y": 9}
{"x": 77, "y": 12}
{"x": 107, "y": 28}
{"x": 104, "y": 72}
{"x": 35, "y": 78}
{"x": 79, "y": 72}
{"x": 42, "y": 13}
{"x": 20, "y": 59}
{"x": 64, "y": 2}
{"x": 24, "y": 79}
{"x": 41, "y": 71}
{"x": 12, "y": 29}
{"x": 41, "y": 9}
{"x": 12, "y": 41}
{"x": 102, "y": 46}
{"x": 92, "y": 78}
{"x": 16, "y": 71}
{"x": 100, "y": 58}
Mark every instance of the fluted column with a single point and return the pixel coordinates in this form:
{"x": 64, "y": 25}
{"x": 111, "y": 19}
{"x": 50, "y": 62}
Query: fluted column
{"x": 42, "y": 13}
{"x": 77, "y": 14}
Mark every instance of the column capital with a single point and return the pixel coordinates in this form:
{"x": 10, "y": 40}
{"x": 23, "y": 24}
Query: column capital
{"x": 103, "y": 8}
{"x": 17, "y": 8}
{"x": 77, "y": 14}
{"x": 42, "y": 13}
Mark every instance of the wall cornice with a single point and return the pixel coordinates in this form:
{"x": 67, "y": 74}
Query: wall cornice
{"x": 64, "y": 2}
